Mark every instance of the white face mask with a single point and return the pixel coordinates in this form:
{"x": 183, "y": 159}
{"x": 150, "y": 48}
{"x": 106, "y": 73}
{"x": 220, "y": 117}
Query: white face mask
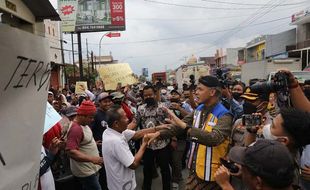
{"x": 267, "y": 133}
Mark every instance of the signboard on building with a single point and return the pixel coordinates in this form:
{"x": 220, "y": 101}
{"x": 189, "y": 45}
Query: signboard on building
{"x": 92, "y": 15}
{"x": 300, "y": 15}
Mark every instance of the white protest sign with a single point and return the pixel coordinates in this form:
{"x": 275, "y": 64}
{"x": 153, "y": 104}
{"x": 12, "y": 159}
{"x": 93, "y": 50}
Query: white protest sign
{"x": 51, "y": 117}
{"x": 24, "y": 81}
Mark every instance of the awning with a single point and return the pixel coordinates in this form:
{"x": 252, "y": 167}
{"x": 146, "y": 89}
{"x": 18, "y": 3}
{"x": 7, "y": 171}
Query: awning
{"x": 42, "y": 9}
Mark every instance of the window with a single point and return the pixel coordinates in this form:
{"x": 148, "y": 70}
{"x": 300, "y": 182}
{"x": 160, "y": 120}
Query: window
{"x": 53, "y": 32}
{"x": 49, "y": 30}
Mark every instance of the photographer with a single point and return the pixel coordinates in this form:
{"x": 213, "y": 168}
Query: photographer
{"x": 298, "y": 97}
{"x": 253, "y": 103}
{"x": 291, "y": 128}
{"x": 266, "y": 165}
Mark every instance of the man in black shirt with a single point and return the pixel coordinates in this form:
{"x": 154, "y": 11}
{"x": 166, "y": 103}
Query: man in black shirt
{"x": 98, "y": 126}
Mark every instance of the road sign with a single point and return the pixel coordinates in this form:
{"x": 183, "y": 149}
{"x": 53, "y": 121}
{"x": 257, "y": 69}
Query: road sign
{"x": 113, "y": 34}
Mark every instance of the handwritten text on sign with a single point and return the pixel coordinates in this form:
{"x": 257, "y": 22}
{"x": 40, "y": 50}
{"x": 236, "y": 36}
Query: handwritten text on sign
{"x": 116, "y": 73}
{"x": 24, "y": 81}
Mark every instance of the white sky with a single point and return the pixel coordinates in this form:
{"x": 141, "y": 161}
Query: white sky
{"x": 146, "y": 20}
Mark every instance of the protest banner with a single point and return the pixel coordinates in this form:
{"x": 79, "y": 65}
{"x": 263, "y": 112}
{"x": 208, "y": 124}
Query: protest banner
{"x": 80, "y": 87}
{"x": 24, "y": 82}
{"x": 114, "y": 74}
{"x": 51, "y": 117}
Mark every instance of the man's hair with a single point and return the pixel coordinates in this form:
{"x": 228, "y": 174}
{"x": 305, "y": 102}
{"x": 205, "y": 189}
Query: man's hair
{"x": 149, "y": 87}
{"x": 240, "y": 84}
{"x": 297, "y": 124}
{"x": 113, "y": 115}
{"x": 218, "y": 91}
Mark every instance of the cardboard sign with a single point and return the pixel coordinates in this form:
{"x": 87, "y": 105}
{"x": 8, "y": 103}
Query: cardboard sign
{"x": 51, "y": 117}
{"x": 80, "y": 87}
{"x": 114, "y": 74}
{"x": 25, "y": 73}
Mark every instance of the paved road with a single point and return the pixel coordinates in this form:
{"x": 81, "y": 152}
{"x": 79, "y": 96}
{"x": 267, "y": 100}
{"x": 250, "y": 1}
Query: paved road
{"x": 156, "y": 185}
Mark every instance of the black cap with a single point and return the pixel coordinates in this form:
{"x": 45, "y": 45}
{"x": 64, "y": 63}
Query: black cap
{"x": 267, "y": 159}
{"x": 175, "y": 91}
{"x": 250, "y": 95}
{"x": 70, "y": 111}
{"x": 209, "y": 81}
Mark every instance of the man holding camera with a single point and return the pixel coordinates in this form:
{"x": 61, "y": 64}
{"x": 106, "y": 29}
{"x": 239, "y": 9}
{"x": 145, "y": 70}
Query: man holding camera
{"x": 208, "y": 128}
{"x": 265, "y": 165}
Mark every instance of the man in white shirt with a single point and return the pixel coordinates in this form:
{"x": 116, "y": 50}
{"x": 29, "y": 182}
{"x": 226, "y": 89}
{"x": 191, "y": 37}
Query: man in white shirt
{"x": 119, "y": 161}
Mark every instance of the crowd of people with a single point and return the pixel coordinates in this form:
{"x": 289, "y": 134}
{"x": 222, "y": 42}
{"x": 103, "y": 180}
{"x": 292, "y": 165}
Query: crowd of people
{"x": 226, "y": 135}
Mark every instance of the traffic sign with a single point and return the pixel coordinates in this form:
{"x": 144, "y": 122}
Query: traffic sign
{"x": 113, "y": 34}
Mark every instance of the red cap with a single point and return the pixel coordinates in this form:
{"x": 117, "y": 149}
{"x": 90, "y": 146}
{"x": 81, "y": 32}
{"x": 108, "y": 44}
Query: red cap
{"x": 87, "y": 108}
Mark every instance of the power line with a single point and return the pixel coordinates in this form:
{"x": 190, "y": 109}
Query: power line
{"x": 257, "y": 15}
{"x": 192, "y": 35}
{"x": 249, "y": 4}
{"x": 207, "y": 18}
{"x": 201, "y": 48}
{"x": 204, "y": 7}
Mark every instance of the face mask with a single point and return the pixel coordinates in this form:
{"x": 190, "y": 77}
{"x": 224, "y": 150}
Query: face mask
{"x": 267, "y": 133}
{"x": 174, "y": 100}
{"x": 150, "y": 101}
{"x": 249, "y": 108}
{"x": 236, "y": 95}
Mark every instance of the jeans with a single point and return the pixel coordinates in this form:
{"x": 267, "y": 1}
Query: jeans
{"x": 176, "y": 161}
{"x": 90, "y": 182}
{"x": 162, "y": 157}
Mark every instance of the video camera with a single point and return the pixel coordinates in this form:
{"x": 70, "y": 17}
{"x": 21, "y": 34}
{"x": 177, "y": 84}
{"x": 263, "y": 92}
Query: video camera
{"x": 278, "y": 84}
{"x": 223, "y": 79}
{"x": 230, "y": 166}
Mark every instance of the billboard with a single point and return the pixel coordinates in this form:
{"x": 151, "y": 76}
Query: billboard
{"x": 92, "y": 15}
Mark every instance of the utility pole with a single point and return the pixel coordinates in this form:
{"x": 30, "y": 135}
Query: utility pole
{"x": 80, "y": 55}
{"x": 88, "y": 66}
{"x": 74, "y": 76}
{"x": 63, "y": 58}
{"x": 87, "y": 50}
{"x": 92, "y": 61}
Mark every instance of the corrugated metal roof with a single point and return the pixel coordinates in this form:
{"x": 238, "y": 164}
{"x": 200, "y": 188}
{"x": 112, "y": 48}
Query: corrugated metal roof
{"x": 42, "y": 9}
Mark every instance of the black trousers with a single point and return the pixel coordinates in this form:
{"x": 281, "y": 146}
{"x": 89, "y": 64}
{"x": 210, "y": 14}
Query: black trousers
{"x": 103, "y": 178}
{"x": 162, "y": 157}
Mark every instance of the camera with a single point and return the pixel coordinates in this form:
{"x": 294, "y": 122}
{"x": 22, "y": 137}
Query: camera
{"x": 230, "y": 166}
{"x": 278, "y": 83}
{"x": 223, "y": 79}
{"x": 251, "y": 120}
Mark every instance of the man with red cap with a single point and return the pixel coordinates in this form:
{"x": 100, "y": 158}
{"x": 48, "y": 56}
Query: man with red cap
{"x": 85, "y": 161}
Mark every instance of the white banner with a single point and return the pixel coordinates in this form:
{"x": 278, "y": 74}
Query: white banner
{"x": 24, "y": 81}
{"x": 51, "y": 117}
